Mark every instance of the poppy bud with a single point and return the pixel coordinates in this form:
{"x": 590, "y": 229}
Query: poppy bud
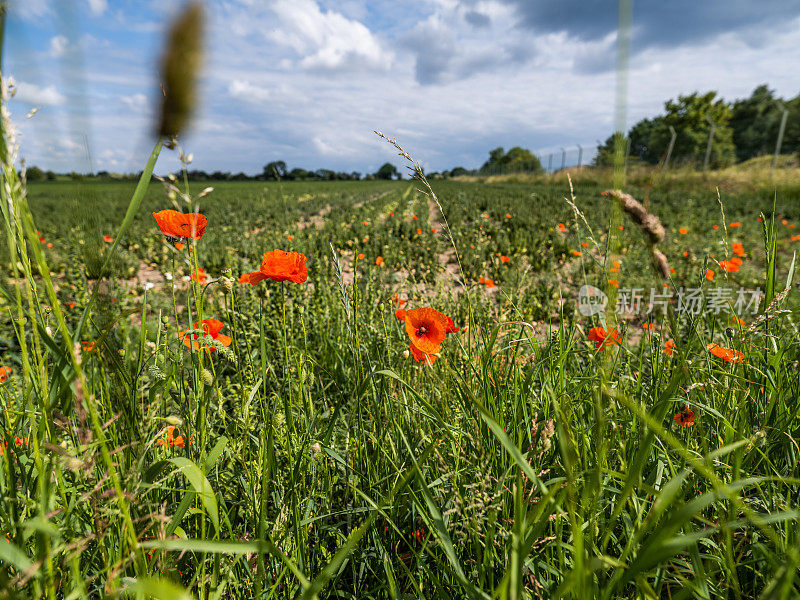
{"x": 174, "y": 420}
{"x": 206, "y": 377}
{"x": 316, "y": 448}
{"x": 227, "y": 284}
{"x": 406, "y": 354}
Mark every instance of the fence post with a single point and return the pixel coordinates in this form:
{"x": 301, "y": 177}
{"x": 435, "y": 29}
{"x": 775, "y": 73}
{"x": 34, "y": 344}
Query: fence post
{"x": 549, "y": 163}
{"x": 580, "y": 156}
{"x": 674, "y": 134}
{"x": 710, "y": 141}
{"x": 563, "y": 159}
{"x": 781, "y": 129}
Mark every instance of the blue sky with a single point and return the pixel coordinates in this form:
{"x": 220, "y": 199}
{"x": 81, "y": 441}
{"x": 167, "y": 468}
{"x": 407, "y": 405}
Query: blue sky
{"x": 307, "y": 81}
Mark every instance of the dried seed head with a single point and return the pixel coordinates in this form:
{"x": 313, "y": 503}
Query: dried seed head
{"x": 648, "y": 222}
{"x": 662, "y": 263}
{"x": 179, "y": 68}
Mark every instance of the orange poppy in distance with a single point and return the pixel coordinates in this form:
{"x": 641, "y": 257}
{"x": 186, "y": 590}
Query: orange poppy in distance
{"x": 726, "y": 354}
{"x": 735, "y": 224}
{"x": 200, "y": 276}
{"x": 108, "y": 239}
{"x": 505, "y": 259}
{"x": 279, "y": 265}
{"x": 601, "y": 338}
{"x": 738, "y": 249}
{"x": 669, "y": 347}
{"x": 171, "y": 439}
{"x": 685, "y": 418}
{"x": 178, "y": 225}
{"x": 5, "y": 372}
{"x": 211, "y": 328}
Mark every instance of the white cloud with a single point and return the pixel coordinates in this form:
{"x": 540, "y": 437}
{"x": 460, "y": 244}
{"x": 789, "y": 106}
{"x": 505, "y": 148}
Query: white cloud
{"x": 38, "y": 95}
{"x": 58, "y": 45}
{"x": 98, "y": 7}
{"x": 327, "y": 40}
{"x": 244, "y": 90}
{"x": 135, "y": 102}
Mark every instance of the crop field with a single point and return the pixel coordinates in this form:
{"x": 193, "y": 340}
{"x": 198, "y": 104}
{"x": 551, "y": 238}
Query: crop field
{"x": 323, "y": 444}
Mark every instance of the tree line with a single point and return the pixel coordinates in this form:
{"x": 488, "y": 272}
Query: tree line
{"x": 743, "y": 129}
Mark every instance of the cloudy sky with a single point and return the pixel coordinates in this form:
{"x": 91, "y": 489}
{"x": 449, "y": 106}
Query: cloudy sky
{"x": 307, "y": 81}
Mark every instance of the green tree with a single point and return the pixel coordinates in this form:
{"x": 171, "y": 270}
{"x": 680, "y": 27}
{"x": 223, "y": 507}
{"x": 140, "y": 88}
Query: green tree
{"x": 688, "y": 116}
{"x": 756, "y": 121}
{"x": 275, "y": 170}
{"x": 387, "y": 171}
{"x": 35, "y": 174}
{"x": 515, "y": 160}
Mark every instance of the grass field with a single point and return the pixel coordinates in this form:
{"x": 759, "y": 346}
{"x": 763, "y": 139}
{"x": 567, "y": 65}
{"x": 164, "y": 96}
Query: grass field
{"x": 315, "y": 456}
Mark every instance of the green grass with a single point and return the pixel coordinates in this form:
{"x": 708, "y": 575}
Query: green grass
{"x": 321, "y": 460}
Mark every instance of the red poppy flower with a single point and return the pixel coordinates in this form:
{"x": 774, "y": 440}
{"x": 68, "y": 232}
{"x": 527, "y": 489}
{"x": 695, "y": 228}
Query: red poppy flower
{"x": 361, "y": 257}
{"x": 601, "y": 338}
{"x": 171, "y": 439}
{"x": 561, "y": 227}
{"x": 649, "y": 326}
{"x": 211, "y": 328}
{"x": 669, "y": 347}
{"x": 726, "y": 354}
{"x": 685, "y": 418}
{"x": 422, "y": 357}
{"x": 5, "y": 372}
{"x": 489, "y": 283}
{"x": 433, "y": 229}
{"x": 738, "y": 249}
{"x": 281, "y": 266}
{"x": 616, "y": 264}
{"x": 505, "y": 259}
{"x": 415, "y": 217}
{"x": 728, "y": 266}
{"x": 508, "y": 215}
{"x": 683, "y": 231}
{"x": 735, "y": 224}
{"x": 715, "y": 227}
{"x": 400, "y": 313}
{"x": 685, "y": 254}
{"x": 87, "y": 346}
{"x": 108, "y": 239}
{"x": 481, "y": 280}
{"x": 178, "y": 225}
{"x": 585, "y": 244}
{"x": 180, "y": 246}
{"x": 244, "y": 278}
{"x": 613, "y": 282}
{"x": 427, "y": 328}
{"x": 379, "y": 261}
{"x": 398, "y": 300}
{"x": 71, "y": 304}
{"x": 710, "y": 275}
{"x": 784, "y": 222}
{"x": 737, "y": 321}
{"x": 620, "y": 228}
{"x": 200, "y": 276}
{"x": 391, "y": 214}
{"x": 796, "y": 238}
{"x": 419, "y": 231}
{"x": 575, "y": 252}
